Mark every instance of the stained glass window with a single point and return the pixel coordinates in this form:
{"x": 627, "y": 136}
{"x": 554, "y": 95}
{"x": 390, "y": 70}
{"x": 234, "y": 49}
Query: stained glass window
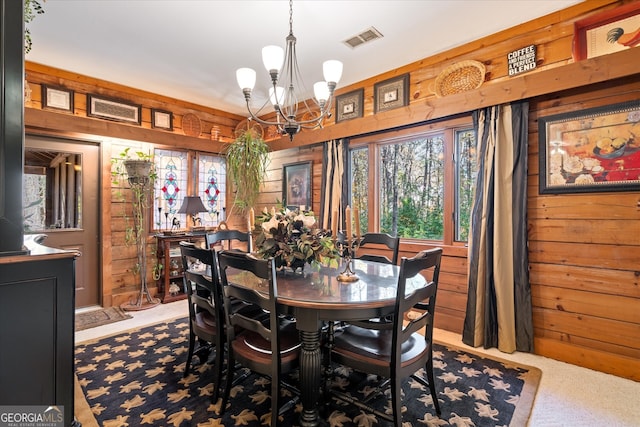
{"x": 170, "y": 188}
{"x": 211, "y": 188}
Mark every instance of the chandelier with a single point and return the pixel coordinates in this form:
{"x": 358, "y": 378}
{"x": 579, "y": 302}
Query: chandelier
{"x": 291, "y": 115}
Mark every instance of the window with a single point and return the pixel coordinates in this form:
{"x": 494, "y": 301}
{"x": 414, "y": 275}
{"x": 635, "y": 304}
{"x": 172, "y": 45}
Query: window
{"x": 212, "y": 173}
{"x": 413, "y": 191}
{"x": 170, "y": 186}
{"x": 51, "y": 190}
{"x": 466, "y": 169}
{"x": 176, "y": 180}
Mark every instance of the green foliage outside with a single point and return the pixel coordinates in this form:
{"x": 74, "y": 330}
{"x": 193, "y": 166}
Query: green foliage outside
{"x": 411, "y": 182}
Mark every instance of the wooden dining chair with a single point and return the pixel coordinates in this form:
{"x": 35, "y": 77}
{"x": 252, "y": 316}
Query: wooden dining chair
{"x": 269, "y": 347}
{"x": 395, "y": 351}
{"x": 374, "y": 241}
{"x": 229, "y": 239}
{"x": 206, "y": 313}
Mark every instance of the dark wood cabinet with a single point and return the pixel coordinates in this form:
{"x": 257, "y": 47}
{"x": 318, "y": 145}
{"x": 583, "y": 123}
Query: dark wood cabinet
{"x": 37, "y": 307}
{"x": 170, "y": 286}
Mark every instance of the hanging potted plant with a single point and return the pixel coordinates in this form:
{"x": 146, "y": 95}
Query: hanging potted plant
{"x": 141, "y": 176}
{"x": 138, "y": 169}
{"x": 247, "y": 161}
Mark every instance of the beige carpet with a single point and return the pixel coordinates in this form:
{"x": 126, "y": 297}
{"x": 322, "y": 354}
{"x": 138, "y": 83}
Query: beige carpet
{"x": 104, "y": 316}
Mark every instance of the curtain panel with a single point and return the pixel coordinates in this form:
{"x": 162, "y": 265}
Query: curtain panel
{"x": 499, "y": 294}
{"x": 334, "y": 185}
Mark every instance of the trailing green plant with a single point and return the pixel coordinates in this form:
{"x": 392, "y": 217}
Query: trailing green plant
{"x": 247, "y": 161}
{"x": 32, "y": 8}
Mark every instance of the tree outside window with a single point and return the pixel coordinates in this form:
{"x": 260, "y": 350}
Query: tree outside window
{"x": 413, "y": 191}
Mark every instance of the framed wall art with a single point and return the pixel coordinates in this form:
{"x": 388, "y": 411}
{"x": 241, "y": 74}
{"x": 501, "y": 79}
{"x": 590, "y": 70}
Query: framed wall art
{"x": 57, "y": 98}
{"x": 607, "y": 32}
{"x": 112, "y": 109}
{"x": 596, "y": 149}
{"x": 391, "y": 93}
{"x": 161, "y": 119}
{"x": 296, "y": 185}
{"x": 349, "y": 105}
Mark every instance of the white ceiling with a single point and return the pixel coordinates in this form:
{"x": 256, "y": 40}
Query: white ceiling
{"x": 189, "y": 50}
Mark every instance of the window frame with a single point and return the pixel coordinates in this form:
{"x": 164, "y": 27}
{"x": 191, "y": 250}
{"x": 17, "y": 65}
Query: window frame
{"x": 193, "y": 165}
{"x": 448, "y": 129}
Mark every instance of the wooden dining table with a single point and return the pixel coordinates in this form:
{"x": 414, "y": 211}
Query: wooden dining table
{"x": 314, "y": 297}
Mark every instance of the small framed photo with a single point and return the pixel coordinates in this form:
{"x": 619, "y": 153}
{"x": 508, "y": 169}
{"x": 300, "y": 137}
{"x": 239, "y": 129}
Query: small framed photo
{"x": 112, "y": 109}
{"x": 296, "y": 185}
{"x": 391, "y": 93}
{"x": 161, "y": 119}
{"x": 606, "y": 32}
{"x": 57, "y": 98}
{"x": 591, "y": 150}
{"x": 349, "y": 105}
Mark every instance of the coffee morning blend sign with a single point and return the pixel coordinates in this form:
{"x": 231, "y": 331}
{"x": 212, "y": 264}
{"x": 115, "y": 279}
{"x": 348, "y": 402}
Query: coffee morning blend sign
{"x": 522, "y": 60}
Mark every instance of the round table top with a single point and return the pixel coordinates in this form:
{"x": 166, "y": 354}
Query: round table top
{"x": 320, "y": 288}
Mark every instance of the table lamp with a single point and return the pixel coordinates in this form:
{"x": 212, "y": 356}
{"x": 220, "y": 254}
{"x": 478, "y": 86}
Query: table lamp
{"x": 193, "y": 205}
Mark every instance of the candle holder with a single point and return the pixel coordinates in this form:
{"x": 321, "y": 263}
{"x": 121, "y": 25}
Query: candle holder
{"x": 347, "y": 248}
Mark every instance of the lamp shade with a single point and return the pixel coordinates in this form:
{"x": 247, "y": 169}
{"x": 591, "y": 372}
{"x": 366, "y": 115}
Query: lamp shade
{"x": 321, "y": 91}
{"x": 272, "y": 57}
{"x": 246, "y": 78}
{"x": 192, "y": 205}
{"x": 332, "y": 70}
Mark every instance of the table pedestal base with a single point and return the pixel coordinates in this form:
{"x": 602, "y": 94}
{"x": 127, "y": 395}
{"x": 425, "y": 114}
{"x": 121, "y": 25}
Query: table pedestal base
{"x": 310, "y": 377}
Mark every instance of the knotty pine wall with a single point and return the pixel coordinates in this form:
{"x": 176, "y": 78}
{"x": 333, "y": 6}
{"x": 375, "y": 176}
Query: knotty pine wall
{"x": 584, "y": 255}
{"x": 584, "y": 249}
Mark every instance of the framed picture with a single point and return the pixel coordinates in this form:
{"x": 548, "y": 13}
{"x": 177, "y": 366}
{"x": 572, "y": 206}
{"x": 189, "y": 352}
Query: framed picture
{"x": 161, "y": 119}
{"x": 296, "y": 185}
{"x": 57, "y": 98}
{"x": 607, "y": 32}
{"x": 112, "y": 109}
{"x": 597, "y": 149}
{"x": 391, "y": 93}
{"x": 349, "y": 105}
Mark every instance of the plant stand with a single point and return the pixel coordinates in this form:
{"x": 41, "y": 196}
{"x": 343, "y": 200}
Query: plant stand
{"x": 138, "y": 177}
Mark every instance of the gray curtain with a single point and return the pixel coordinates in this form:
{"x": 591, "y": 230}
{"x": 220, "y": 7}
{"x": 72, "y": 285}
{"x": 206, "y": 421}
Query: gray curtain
{"x": 333, "y": 195}
{"x": 499, "y": 294}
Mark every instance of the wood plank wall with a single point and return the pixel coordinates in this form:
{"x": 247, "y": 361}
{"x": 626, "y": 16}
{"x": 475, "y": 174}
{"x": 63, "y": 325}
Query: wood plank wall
{"x": 584, "y": 254}
{"x": 584, "y": 249}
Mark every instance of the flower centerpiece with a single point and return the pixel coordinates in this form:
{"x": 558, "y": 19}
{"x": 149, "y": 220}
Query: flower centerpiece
{"x": 292, "y": 238}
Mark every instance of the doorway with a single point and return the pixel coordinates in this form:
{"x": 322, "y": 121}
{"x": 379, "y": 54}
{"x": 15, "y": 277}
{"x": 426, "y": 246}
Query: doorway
{"x": 61, "y": 190}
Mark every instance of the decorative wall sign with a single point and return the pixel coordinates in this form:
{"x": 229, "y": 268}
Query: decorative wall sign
{"x": 607, "y": 32}
{"x": 296, "y": 185}
{"x": 349, "y": 105}
{"x": 161, "y": 119}
{"x": 522, "y": 60}
{"x": 597, "y": 149}
{"x": 391, "y": 93}
{"x": 112, "y": 109}
{"x": 57, "y": 98}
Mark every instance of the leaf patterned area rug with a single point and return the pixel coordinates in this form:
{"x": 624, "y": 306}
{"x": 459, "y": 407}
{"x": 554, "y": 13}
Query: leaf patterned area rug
{"x": 135, "y": 378}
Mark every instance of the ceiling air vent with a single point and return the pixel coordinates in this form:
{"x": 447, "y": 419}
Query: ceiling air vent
{"x": 366, "y": 36}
